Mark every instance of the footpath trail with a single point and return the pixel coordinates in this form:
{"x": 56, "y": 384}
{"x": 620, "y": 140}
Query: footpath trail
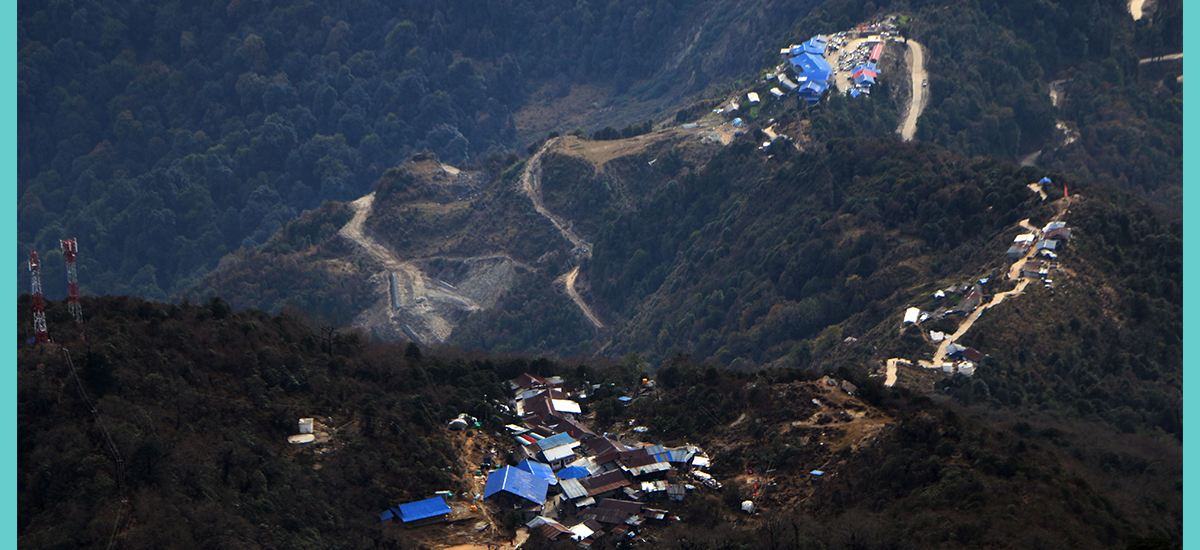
{"x": 916, "y": 61}
{"x": 1014, "y": 273}
{"x": 891, "y": 371}
{"x": 531, "y": 185}
{"x": 1170, "y": 57}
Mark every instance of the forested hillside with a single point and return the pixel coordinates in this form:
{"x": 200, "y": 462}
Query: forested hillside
{"x": 164, "y": 136}
{"x": 198, "y": 401}
{"x": 992, "y": 64}
{"x": 751, "y": 261}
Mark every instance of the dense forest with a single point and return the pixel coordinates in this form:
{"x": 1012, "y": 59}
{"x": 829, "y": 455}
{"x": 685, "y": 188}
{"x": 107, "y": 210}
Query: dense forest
{"x": 197, "y": 401}
{"x": 165, "y": 135}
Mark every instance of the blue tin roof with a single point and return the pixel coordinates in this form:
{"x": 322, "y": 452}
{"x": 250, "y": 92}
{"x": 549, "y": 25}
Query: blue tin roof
{"x": 556, "y": 440}
{"x": 538, "y": 469}
{"x": 813, "y": 66}
{"x": 573, "y": 472}
{"x": 816, "y": 45}
{"x": 811, "y": 91}
{"x": 423, "y": 509}
{"x": 518, "y": 482}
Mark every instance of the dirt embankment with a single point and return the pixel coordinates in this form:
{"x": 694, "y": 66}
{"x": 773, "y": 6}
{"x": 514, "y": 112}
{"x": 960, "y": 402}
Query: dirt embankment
{"x": 411, "y": 304}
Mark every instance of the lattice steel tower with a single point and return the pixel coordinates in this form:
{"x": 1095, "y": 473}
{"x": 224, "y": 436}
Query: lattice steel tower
{"x": 39, "y": 303}
{"x": 69, "y": 249}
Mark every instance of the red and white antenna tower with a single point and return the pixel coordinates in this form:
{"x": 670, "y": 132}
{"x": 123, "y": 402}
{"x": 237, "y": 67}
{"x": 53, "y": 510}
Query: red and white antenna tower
{"x": 69, "y": 249}
{"x": 39, "y": 304}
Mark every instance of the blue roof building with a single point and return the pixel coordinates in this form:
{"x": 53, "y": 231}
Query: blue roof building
{"x": 538, "y": 469}
{"x": 811, "y": 65}
{"x": 421, "y": 512}
{"x": 573, "y": 472}
{"x": 556, "y": 440}
{"x": 811, "y": 90}
{"x": 864, "y": 76}
{"x": 816, "y": 45}
{"x": 518, "y": 483}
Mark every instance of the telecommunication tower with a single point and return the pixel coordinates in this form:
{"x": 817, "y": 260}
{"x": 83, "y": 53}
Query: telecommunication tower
{"x": 39, "y": 304}
{"x": 69, "y": 249}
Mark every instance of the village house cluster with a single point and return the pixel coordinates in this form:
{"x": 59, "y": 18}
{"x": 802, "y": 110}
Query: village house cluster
{"x": 570, "y": 482}
{"x": 1037, "y": 251}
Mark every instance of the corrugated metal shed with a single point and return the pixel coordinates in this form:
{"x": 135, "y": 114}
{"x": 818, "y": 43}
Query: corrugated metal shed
{"x": 558, "y": 453}
{"x": 605, "y": 482}
{"x": 538, "y": 469}
{"x": 424, "y": 509}
{"x": 555, "y": 441}
{"x": 572, "y": 488}
{"x": 588, "y": 463}
{"x": 623, "y": 505}
{"x": 517, "y": 482}
{"x": 654, "y": 486}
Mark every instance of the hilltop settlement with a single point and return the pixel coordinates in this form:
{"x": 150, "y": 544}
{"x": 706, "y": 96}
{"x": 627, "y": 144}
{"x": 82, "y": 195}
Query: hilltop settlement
{"x": 564, "y": 480}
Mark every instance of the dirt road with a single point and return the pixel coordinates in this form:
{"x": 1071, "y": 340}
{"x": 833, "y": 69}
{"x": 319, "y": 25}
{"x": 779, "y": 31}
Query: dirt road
{"x": 1135, "y": 8}
{"x": 891, "y": 371}
{"x": 1170, "y": 57}
{"x": 916, "y": 61}
{"x": 568, "y": 279}
{"x": 531, "y": 185}
{"x": 414, "y": 303}
{"x": 1014, "y": 272}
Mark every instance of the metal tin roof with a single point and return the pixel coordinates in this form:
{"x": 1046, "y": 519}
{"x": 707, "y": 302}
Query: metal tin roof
{"x": 558, "y": 453}
{"x": 423, "y": 509}
{"x": 572, "y": 488}
{"x": 555, "y": 440}
{"x": 517, "y": 482}
{"x": 566, "y": 405}
{"x": 573, "y": 472}
{"x": 538, "y": 469}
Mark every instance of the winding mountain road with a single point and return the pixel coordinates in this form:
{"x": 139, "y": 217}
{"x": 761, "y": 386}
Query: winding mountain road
{"x": 1170, "y": 57}
{"x": 531, "y": 186}
{"x": 916, "y": 62}
{"x": 1135, "y": 8}
{"x": 412, "y": 298}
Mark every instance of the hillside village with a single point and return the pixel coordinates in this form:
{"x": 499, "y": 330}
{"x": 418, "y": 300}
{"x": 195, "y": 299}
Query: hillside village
{"x": 1034, "y": 254}
{"x": 846, "y": 61}
{"x": 566, "y": 481}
